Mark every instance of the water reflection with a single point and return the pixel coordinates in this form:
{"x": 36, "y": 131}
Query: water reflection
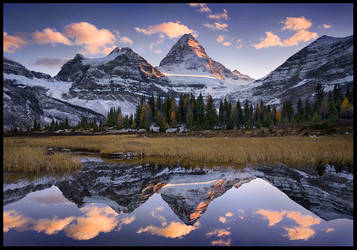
{"x": 301, "y": 232}
{"x": 149, "y": 205}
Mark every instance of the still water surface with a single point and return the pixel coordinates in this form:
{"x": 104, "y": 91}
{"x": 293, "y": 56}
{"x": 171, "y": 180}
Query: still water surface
{"x": 140, "y": 205}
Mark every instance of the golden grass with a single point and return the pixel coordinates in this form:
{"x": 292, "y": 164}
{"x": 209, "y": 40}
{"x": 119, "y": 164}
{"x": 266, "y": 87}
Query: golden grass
{"x": 290, "y": 150}
{"x": 35, "y": 159}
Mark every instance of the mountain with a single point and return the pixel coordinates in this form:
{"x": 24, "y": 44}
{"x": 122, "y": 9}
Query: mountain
{"x": 242, "y": 76}
{"x": 328, "y": 60}
{"x": 190, "y": 70}
{"x": 188, "y": 55}
{"x": 91, "y": 86}
{"x": 118, "y": 79}
{"x": 12, "y": 67}
{"x": 188, "y": 191}
{"x": 30, "y": 95}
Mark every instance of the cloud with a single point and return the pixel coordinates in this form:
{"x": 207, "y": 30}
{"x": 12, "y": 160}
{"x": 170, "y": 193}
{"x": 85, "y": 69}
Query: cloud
{"x": 49, "y": 35}
{"x": 49, "y": 62}
{"x": 221, "y": 242}
{"x": 218, "y": 232}
{"x": 52, "y": 226}
{"x": 229, "y": 214}
{"x": 222, "y": 219}
{"x": 299, "y": 233}
{"x": 220, "y": 39}
{"x": 270, "y": 40}
{"x": 170, "y": 29}
{"x": 125, "y": 221}
{"x": 296, "y": 23}
{"x": 94, "y": 40}
{"x": 227, "y": 44}
{"x": 219, "y": 15}
{"x": 300, "y": 36}
{"x": 173, "y": 230}
{"x": 326, "y": 26}
{"x": 12, "y": 219}
{"x": 12, "y": 43}
{"x": 238, "y": 44}
{"x": 272, "y": 216}
{"x": 203, "y": 7}
{"x": 303, "y": 220}
{"x": 216, "y": 26}
{"x": 157, "y": 42}
{"x": 126, "y": 39}
{"x": 96, "y": 220}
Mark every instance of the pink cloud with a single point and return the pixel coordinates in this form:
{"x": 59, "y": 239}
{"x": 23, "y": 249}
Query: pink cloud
{"x": 270, "y": 40}
{"x": 49, "y": 35}
{"x": 218, "y": 16}
{"x": 12, "y": 43}
{"x": 300, "y": 36}
{"x": 296, "y": 23}
{"x": 12, "y": 219}
{"x": 220, "y": 39}
{"x": 227, "y": 44}
{"x": 218, "y": 232}
{"x": 326, "y": 26}
{"x": 173, "y": 230}
{"x": 94, "y": 40}
{"x": 96, "y": 220}
{"x": 221, "y": 242}
{"x": 170, "y": 29}
{"x": 52, "y": 226}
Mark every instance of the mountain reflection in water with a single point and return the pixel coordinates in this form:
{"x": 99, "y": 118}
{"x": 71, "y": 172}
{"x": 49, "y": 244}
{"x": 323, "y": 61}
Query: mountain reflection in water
{"x": 111, "y": 204}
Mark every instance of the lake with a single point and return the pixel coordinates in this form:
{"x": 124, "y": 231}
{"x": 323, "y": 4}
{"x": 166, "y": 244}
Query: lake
{"x": 116, "y": 204}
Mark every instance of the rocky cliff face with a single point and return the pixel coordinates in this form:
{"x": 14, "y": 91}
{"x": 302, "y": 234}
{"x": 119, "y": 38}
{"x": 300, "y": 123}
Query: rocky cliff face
{"x": 122, "y": 73}
{"x": 188, "y": 55}
{"x": 327, "y": 60}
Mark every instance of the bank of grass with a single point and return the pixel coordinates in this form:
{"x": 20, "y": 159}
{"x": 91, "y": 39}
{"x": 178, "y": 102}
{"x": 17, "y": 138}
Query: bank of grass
{"x": 26, "y": 158}
{"x": 295, "y": 151}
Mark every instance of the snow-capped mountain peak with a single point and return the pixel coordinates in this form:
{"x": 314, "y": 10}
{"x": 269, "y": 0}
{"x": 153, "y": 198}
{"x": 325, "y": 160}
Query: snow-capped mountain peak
{"x": 189, "y": 56}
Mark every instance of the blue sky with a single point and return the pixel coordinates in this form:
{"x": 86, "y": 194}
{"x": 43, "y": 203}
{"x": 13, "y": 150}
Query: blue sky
{"x": 252, "y": 38}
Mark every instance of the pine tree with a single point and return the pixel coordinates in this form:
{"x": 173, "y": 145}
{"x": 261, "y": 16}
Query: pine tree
{"x": 319, "y": 96}
{"x": 300, "y": 111}
{"x": 307, "y": 110}
{"x": 120, "y": 120}
{"x": 211, "y": 114}
{"x": 152, "y": 106}
{"x": 240, "y": 116}
{"x": 200, "y": 111}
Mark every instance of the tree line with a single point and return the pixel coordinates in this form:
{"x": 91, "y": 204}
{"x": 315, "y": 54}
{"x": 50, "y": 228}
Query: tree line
{"x": 199, "y": 114}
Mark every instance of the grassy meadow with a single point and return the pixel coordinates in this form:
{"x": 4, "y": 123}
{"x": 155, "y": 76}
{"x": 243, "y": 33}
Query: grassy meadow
{"x": 29, "y": 154}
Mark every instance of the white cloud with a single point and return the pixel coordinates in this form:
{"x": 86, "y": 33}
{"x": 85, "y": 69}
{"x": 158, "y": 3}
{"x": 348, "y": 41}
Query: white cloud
{"x": 203, "y": 7}
{"x": 216, "y": 26}
{"x": 218, "y": 16}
